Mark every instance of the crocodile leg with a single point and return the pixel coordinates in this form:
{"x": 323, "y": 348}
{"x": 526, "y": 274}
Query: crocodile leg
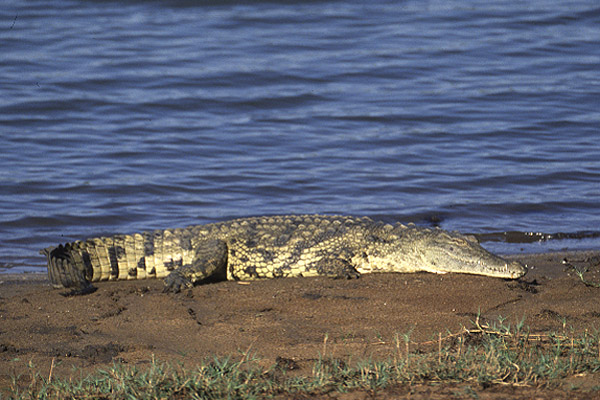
{"x": 336, "y": 268}
{"x": 210, "y": 261}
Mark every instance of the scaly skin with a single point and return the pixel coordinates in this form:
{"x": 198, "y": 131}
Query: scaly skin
{"x": 271, "y": 247}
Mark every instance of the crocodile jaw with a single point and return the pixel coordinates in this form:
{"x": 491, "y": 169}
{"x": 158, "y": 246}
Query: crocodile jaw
{"x": 500, "y": 269}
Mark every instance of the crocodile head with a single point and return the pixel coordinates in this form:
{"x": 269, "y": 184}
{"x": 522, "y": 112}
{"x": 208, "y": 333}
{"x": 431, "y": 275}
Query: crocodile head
{"x": 441, "y": 252}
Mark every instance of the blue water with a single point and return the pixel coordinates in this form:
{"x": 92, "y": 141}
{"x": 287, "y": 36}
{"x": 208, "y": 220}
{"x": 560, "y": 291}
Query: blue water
{"x": 471, "y": 115}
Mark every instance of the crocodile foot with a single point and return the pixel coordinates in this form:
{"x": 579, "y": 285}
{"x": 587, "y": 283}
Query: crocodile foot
{"x": 336, "y": 268}
{"x": 175, "y": 283}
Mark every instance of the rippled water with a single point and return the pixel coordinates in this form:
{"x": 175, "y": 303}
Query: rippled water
{"x": 470, "y": 115}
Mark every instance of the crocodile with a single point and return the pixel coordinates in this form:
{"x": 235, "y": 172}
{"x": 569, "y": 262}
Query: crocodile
{"x": 271, "y": 247}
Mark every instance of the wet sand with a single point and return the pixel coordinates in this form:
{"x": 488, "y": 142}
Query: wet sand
{"x": 133, "y": 321}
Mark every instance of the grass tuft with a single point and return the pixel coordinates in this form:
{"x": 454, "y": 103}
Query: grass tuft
{"x": 484, "y": 355}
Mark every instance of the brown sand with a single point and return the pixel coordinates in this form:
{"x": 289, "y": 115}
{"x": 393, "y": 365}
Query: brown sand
{"x": 290, "y": 318}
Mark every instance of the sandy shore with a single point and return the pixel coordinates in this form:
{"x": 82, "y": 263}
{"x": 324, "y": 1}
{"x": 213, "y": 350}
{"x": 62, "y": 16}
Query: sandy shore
{"x": 133, "y": 321}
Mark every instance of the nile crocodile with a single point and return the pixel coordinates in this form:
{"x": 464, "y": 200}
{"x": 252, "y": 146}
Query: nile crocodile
{"x": 271, "y": 247}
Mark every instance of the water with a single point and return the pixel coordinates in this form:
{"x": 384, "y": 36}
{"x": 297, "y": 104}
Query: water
{"x": 476, "y": 116}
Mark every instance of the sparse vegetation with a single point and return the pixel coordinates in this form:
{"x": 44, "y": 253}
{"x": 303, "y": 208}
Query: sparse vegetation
{"x": 592, "y": 264}
{"x": 484, "y": 355}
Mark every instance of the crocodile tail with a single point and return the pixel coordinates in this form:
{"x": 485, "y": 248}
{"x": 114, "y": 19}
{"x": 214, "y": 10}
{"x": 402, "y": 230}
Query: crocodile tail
{"x": 138, "y": 256}
{"x": 66, "y": 270}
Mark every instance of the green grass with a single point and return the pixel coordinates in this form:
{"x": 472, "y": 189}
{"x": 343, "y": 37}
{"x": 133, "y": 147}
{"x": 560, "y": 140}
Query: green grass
{"x": 483, "y": 355}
